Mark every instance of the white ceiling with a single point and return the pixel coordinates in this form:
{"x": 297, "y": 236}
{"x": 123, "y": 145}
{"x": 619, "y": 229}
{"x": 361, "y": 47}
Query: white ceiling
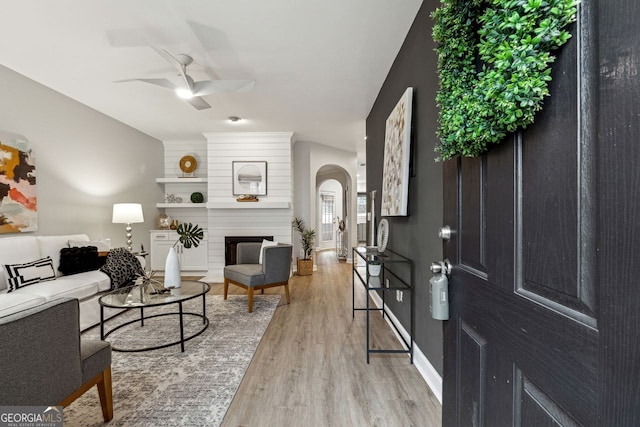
{"x": 318, "y": 64}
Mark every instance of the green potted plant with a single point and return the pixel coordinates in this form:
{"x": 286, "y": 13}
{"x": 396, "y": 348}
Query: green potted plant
{"x": 307, "y": 237}
{"x": 190, "y": 236}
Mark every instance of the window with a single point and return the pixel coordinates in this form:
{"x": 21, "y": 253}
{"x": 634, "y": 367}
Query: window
{"x": 362, "y": 208}
{"x": 328, "y": 213}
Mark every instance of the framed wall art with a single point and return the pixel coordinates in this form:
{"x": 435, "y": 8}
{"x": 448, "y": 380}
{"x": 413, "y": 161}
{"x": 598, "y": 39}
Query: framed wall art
{"x": 18, "y": 201}
{"x": 397, "y": 155}
{"x": 249, "y": 178}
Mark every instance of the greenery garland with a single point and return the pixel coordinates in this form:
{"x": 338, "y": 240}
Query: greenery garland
{"x": 494, "y": 64}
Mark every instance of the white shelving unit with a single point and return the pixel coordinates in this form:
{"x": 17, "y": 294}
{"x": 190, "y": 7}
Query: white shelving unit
{"x": 248, "y": 205}
{"x": 183, "y": 187}
{"x": 178, "y": 180}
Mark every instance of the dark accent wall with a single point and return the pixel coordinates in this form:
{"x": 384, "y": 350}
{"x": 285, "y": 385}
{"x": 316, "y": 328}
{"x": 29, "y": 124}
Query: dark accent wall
{"x": 414, "y": 236}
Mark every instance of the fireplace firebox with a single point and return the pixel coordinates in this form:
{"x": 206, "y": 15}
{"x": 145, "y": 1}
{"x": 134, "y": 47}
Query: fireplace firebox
{"x": 231, "y": 242}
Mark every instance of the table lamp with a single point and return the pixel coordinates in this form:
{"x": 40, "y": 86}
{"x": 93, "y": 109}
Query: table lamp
{"x": 127, "y": 213}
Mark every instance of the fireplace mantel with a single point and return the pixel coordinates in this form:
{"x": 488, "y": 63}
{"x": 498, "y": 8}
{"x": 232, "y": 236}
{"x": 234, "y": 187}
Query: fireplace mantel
{"x": 248, "y": 205}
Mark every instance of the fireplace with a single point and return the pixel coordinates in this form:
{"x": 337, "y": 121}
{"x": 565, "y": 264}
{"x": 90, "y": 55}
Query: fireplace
{"x": 230, "y": 243}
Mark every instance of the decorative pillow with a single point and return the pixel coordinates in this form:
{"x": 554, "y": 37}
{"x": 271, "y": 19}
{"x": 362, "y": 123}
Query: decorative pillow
{"x": 78, "y": 260}
{"x": 265, "y": 244}
{"x": 103, "y": 245}
{"x": 122, "y": 267}
{"x": 21, "y": 275}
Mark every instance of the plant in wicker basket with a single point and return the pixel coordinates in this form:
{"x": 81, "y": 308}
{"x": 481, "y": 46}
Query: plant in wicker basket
{"x": 307, "y": 237}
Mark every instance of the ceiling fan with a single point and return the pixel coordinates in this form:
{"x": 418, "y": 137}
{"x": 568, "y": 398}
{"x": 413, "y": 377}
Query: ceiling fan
{"x": 188, "y": 89}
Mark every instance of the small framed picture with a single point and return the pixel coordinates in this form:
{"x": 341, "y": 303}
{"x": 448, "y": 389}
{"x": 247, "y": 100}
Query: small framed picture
{"x": 250, "y": 178}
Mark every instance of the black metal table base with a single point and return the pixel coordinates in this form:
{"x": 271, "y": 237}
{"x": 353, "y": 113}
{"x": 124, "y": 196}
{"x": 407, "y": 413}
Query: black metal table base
{"x": 181, "y": 341}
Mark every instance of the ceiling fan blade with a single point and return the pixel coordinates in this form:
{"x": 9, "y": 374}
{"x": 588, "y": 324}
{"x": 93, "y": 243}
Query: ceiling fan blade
{"x": 198, "y": 103}
{"x": 167, "y": 56}
{"x": 180, "y": 62}
{"x": 158, "y": 82}
{"x": 211, "y": 87}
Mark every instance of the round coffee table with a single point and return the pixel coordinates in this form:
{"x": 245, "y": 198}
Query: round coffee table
{"x": 130, "y": 297}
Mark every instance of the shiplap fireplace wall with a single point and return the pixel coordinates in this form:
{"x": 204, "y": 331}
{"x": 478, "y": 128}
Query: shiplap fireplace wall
{"x": 225, "y": 216}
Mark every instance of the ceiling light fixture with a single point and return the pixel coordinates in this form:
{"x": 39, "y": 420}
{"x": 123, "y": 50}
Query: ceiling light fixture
{"x": 184, "y": 93}
{"x": 234, "y": 119}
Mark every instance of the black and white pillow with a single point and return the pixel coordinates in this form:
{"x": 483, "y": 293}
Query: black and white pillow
{"x": 29, "y": 273}
{"x": 122, "y": 267}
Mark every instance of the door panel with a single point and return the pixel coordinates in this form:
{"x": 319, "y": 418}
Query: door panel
{"x": 535, "y": 408}
{"x": 472, "y": 219}
{"x": 522, "y": 344}
{"x": 472, "y": 368}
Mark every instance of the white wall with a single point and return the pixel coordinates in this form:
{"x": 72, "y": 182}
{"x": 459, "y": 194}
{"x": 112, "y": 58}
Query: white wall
{"x": 85, "y": 161}
{"x": 309, "y": 158}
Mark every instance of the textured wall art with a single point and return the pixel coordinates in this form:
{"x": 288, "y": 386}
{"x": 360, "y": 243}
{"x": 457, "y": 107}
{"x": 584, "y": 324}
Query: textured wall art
{"x": 397, "y": 144}
{"x": 250, "y": 178}
{"x": 18, "y": 201}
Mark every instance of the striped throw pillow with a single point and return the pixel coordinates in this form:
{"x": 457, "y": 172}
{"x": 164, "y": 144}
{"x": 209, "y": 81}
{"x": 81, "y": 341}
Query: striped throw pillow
{"x": 21, "y": 275}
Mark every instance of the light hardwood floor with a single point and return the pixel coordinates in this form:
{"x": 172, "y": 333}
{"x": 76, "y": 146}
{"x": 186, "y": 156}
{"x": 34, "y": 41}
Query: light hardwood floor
{"x": 310, "y": 368}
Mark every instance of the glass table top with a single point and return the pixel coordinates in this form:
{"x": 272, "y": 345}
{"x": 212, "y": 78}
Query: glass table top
{"x": 146, "y": 296}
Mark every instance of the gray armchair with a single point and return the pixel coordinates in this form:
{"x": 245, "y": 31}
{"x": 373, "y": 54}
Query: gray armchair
{"x": 45, "y": 363}
{"x": 250, "y": 275}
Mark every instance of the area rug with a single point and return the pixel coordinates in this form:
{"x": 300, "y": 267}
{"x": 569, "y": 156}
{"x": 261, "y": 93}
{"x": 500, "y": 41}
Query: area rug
{"x": 165, "y": 387}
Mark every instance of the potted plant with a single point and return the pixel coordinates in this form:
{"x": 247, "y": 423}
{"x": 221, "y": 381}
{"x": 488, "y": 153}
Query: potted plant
{"x": 374, "y": 267}
{"x": 307, "y": 237}
{"x": 190, "y": 236}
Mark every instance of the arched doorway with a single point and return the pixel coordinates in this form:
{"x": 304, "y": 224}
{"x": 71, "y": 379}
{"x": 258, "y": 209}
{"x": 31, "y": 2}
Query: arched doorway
{"x": 333, "y": 208}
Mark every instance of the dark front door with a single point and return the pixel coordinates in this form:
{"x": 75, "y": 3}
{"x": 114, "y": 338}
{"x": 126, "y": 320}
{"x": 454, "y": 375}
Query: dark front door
{"x": 544, "y": 325}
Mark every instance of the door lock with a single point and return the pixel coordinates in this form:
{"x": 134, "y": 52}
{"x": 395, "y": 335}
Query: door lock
{"x": 445, "y": 232}
{"x": 443, "y": 267}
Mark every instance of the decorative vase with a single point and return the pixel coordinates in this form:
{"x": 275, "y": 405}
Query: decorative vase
{"x": 172, "y": 269}
{"x": 374, "y": 269}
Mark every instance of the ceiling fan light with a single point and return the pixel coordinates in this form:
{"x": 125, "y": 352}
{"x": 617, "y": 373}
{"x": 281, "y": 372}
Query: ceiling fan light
{"x": 184, "y": 93}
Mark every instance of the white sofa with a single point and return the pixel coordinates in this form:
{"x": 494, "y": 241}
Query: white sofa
{"x": 87, "y": 286}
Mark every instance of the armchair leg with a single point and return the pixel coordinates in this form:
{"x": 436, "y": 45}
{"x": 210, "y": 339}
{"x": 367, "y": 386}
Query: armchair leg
{"x": 226, "y": 287}
{"x": 286, "y": 292}
{"x": 103, "y": 382}
{"x": 106, "y": 395}
{"x": 250, "y": 290}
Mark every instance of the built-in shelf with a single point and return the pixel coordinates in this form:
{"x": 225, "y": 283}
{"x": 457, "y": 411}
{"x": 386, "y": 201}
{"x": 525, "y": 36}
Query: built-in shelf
{"x": 248, "y": 205}
{"x": 182, "y": 205}
{"x": 178, "y": 180}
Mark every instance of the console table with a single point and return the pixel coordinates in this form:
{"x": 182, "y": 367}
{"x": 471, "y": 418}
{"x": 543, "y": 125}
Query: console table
{"x": 391, "y": 278}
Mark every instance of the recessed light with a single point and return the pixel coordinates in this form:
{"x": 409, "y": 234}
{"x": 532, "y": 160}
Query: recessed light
{"x": 234, "y": 119}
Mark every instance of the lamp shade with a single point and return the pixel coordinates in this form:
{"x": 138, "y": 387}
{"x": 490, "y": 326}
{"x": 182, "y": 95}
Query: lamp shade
{"x": 127, "y": 213}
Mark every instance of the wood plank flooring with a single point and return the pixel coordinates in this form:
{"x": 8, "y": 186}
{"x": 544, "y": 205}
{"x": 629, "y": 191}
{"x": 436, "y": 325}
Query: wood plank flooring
{"x": 310, "y": 368}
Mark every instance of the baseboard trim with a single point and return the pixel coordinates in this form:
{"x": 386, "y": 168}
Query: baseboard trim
{"x": 426, "y": 369}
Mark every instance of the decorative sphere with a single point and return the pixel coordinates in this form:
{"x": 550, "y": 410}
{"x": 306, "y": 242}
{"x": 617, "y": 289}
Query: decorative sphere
{"x": 197, "y": 197}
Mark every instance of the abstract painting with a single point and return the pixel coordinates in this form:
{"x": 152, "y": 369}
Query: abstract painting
{"x": 18, "y": 201}
{"x": 397, "y": 144}
{"x": 250, "y": 178}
